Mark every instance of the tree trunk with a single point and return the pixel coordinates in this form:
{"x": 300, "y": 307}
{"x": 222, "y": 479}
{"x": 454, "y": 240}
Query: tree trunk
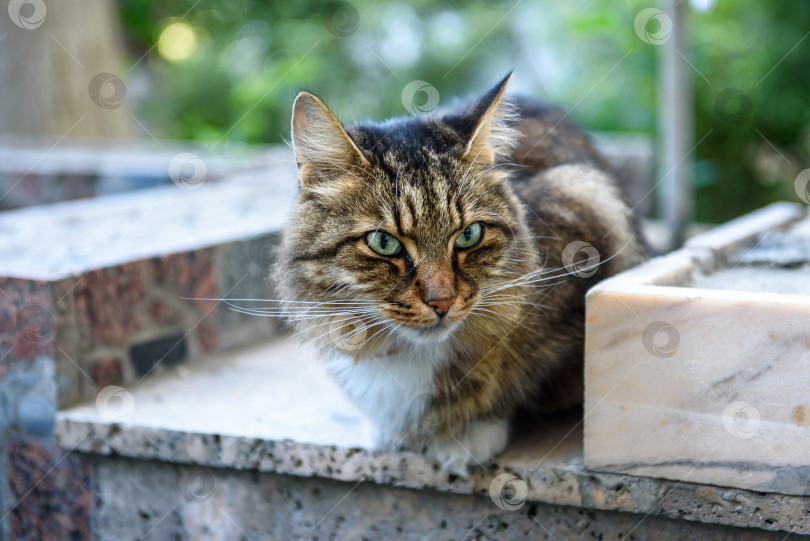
{"x": 60, "y": 65}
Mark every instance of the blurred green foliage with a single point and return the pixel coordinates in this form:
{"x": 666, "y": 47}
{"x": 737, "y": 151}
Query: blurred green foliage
{"x": 253, "y": 56}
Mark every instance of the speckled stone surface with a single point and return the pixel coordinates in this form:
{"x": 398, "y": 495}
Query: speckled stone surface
{"x": 44, "y": 494}
{"x": 26, "y": 321}
{"x": 256, "y": 410}
{"x": 52, "y": 494}
{"x": 111, "y": 291}
{"x": 156, "y": 500}
{"x": 106, "y": 286}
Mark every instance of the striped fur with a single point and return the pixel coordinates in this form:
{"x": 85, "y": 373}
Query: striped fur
{"x": 513, "y": 336}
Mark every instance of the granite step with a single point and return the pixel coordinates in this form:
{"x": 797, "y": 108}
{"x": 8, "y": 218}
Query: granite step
{"x": 108, "y": 290}
{"x": 38, "y": 172}
{"x": 259, "y": 443}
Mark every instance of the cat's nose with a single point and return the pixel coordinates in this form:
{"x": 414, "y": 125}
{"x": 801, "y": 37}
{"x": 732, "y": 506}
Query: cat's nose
{"x": 436, "y": 284}
{"x": 441, "y": 306}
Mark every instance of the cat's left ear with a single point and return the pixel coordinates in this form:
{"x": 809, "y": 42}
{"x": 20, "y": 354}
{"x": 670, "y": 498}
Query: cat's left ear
{"x": 488, "y": 126}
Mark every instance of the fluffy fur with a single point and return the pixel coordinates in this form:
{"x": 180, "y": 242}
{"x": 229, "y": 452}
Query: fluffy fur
{"x": 512, "y": 336}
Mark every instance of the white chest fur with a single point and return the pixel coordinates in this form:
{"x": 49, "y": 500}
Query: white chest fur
{"x": 392, "y": 390}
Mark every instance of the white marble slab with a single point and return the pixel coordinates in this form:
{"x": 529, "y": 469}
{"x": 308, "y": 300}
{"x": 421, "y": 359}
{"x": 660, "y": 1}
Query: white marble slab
{"x": 697, "y": 365}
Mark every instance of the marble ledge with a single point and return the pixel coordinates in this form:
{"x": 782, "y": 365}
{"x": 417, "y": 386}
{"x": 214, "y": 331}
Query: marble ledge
{"x": 708, "y": 250}
{"x": 724, "y": 239}
{"x": 254, "y": 410}
{"x": 697, "y": 364}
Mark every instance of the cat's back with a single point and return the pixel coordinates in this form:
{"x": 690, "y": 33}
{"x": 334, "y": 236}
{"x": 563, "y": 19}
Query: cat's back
{"x": 547, "y": 138}
{"x": 571, "y": 191}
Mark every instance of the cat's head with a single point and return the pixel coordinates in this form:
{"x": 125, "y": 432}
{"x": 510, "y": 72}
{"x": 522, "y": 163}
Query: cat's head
{"x": 401, "y": 228}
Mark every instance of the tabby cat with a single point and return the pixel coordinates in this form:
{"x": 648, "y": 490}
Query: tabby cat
{"x": 440, "y": 264}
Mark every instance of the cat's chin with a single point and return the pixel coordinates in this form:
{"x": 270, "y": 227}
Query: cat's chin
{"x": 433, "y": 334}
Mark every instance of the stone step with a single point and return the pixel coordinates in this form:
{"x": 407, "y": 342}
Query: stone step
{"x": 696, "y": 363}
{"x": 101, "y": 292}
{"x": 271, "y": 409}
{"x": 38, "y": 172}
{"x": 103, "y": 287}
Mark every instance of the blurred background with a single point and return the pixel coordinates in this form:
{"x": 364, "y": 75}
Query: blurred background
{"x": 224, "y": 72}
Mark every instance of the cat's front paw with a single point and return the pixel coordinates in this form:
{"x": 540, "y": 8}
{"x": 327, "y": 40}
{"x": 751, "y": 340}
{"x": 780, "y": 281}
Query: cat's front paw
{"x": 477, "y": 445}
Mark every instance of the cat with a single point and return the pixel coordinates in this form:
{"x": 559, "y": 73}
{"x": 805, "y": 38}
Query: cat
{"x": 440, "y": 265}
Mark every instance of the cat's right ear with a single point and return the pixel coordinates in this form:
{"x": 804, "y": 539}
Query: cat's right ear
{"x": 320, "y": 141}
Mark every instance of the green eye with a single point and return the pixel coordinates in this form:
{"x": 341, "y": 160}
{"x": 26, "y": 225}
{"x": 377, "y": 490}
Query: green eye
{"x": 470, "y": 236}
{"x": 383, "y": 243}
